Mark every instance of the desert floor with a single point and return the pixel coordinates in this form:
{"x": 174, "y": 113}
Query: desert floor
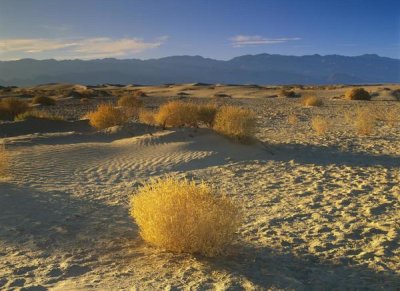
{"x": 321, "y": 211}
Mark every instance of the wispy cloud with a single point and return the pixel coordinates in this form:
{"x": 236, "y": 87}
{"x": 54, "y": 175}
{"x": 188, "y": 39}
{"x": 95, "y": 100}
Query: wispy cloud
{"x": 252, "y": 40}
{"x": 98, "y": 47}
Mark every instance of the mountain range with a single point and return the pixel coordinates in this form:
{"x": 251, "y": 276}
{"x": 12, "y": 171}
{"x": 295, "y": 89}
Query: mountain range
{"x": 247, "y": 69}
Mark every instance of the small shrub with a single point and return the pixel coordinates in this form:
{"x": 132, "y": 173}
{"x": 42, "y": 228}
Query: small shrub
{"x": 106, "y": 115}
{"x": 180, "y": 216}
{"x": 357, "y": 94}
{"x": 139, "y": 93}
{"x": 319, "y": 124}
{"x": 39, "y": 114}
{"x": 364, "y": 121}
{"x": 84, "y": 101}
{"x": 147, "y": 116}
{"x": 292, "y": 119}
{"x": 4, "y": 160}
{"x": 11, "y": 107}
{"x": 130, "y": 105}
{"x": 221, "y": 95}
{"x": 177, "y": 113}
{"x": 396, "y": 94}
{"x": 235, "y": 122}
{"x": 206, "y": 114}
{"x": 287, "y": 93}
{"x": 43, "y": 100}
{"x": 311, "y": 101}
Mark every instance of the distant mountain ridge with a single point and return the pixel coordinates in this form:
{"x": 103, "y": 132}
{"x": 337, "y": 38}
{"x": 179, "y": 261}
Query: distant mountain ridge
{"x": 246, "y": 69}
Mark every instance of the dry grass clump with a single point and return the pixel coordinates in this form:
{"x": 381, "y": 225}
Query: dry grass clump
{"x": 357, "y": 94}
{"x": 11, "y": 107}
{"x": 364, "y": 121}
{"x": 4, "y": 160}
{"x": 320, "y": 125}
{"x": 43, "y": 100}
{"x": 39, "y": 114}
{"x": 177, "y": 113}
{"x": 147, "y": 116}
{"x": 287, "y": 93}
{"x": 206, "y": 114}
{"x": 84, "y": 101}
{"x": 180, "y": 216}
{"x": 139, "y": 93}
{"x": 396, "y": 94}
{"x": 106, "y": 115}
{"x": 130, "y": 105}
{"x": 292, "y": 119}
{"x": 311, "y": 101}
{"x": 235, "y": 122}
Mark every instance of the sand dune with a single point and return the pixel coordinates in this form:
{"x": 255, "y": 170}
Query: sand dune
{"x": 320, "y": 212}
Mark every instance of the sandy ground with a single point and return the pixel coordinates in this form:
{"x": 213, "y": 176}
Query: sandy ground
{"x": 321, "y": 212}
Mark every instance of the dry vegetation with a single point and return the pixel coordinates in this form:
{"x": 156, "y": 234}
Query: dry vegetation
{"x": 130, "y": 104}
{"x": 11, "y": 107}
{"x": 357, "y": 94}
{"x": 106, "y": 115}
{"x": 43, "y": 100}
{"x": 292, "y": 119}
{"x": 311, "y": 101}
{"x": 364, "y": 121}
{"x": 320, "y": 124}
{"x": 180, "y": 216}
{"x": 38, "y": 114}
{"x": 235, "y": 122}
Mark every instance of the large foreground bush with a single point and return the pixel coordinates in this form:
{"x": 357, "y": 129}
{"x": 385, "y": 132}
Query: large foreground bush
{"x": 106, "y": 115}
{"x": 180, "y": 216}
{"x": 11, "y": 107}
{"x": 235, "y": 122}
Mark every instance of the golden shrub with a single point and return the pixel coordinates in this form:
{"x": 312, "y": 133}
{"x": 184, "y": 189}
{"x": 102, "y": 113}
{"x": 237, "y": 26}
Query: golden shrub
{"x": 364, "y": 121}
{"x": 177, "y": 113}
{"x": 357, "y": 94}
{"x": 130, "y": 105}
{"x": 235, "y": 122}
{"x": 292, "y": 119}
{"x": 106, "y": 115}
{"x": 180, "y": 216}
{"x": 206, "y": 114}
{"x": 43, "y": 100}
{"x": 147, "y": 116}
{"x": 10, "y": 107}
{"x": 311, "y": 101}
{"x": 320, "y": 125}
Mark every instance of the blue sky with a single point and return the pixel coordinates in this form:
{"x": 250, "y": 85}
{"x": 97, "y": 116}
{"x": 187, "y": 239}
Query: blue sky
{"x": 221, "y": 29}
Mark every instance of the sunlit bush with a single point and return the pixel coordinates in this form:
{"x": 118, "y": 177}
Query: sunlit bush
{"x": 311, "y": 101}
{"x": 320, "y": 125}
{"x": 180, "y": 216}
{"x": 177, "y": 113}
{"x": 106, "y": 115}
{"x": 235, "y": 122}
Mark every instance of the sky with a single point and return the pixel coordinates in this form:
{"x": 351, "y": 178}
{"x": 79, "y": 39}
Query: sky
{"x": 219, "y": 29}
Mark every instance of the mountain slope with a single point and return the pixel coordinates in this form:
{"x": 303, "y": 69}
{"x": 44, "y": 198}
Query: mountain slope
{"x": 262, "y": 68}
